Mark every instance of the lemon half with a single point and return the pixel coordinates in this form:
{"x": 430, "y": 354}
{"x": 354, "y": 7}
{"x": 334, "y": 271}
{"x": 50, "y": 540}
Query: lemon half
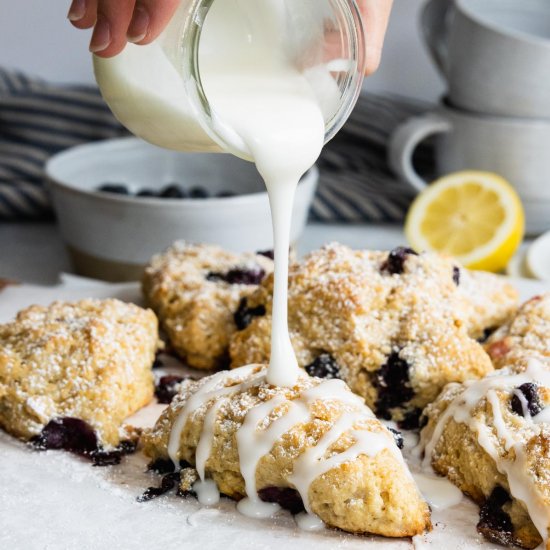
{"x": 477, "y": 217}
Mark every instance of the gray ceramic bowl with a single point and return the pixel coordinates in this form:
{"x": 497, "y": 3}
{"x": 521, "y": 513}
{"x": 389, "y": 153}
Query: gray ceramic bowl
{"x": 113, "y": 236}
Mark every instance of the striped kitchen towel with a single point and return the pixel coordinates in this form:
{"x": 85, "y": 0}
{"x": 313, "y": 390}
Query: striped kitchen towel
{"x": 38, "y": 119}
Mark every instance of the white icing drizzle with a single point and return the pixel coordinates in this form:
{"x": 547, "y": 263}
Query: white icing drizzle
{"x": 313, "y": 463}
{"x": 460, "y": 410}
{"x": 543, "y": 417}
{"x": 524, "y": 404}
{"x": 210, "y": 390}
{"x": 309, "y": 522}
{"x": 204, "y": 447}
{"x": 254, "y": 442}
{"x": 257, "y": 508}
{"x": 207, "y": 492}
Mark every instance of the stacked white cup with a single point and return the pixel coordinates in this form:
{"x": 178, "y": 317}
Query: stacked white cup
{"x": 495, "y": 57}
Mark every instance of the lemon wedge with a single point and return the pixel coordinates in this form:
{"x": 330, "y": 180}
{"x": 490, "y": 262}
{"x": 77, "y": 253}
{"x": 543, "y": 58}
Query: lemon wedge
{"x": 477, "y": 217}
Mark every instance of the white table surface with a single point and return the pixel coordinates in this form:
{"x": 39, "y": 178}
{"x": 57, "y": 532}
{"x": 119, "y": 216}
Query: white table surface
{"x": 34, "y": 252}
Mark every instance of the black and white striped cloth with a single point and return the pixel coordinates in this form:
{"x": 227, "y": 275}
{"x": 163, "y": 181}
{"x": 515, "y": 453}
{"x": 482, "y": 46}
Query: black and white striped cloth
{"x": 38, "y": 119}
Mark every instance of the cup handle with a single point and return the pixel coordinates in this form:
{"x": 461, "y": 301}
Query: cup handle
{"x": 406, "y": 139}
{"x": 435, "y": 22}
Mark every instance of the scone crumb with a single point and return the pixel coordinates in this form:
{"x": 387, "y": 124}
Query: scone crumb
{"x": 188, "y": 476}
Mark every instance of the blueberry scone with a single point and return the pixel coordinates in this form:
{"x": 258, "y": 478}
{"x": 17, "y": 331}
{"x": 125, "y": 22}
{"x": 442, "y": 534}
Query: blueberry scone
{"x": 491, "y": 438}
{"x": 314, "y": 447}
{"x": 196, "y": 291}
{"x": 392, "y": 325}
{"x": 71, "y": 373}
{"x": 526, "y": 335}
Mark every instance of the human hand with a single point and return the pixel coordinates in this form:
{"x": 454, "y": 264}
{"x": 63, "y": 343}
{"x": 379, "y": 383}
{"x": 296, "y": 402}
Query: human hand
{"x": 116, "y": 22}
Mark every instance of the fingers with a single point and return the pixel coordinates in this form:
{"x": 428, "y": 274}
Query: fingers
{"x": 113, "y": 18}
{"x": 376, "y": 14}
{"x": 149, "y": 19}
{"x": 83, "y": 13}
{"x": 116, "y": 22}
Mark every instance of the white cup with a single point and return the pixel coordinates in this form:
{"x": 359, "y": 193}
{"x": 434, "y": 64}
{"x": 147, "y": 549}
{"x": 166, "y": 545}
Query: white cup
{"x": 495, "y": 54}
{"x": 517, "y": 149}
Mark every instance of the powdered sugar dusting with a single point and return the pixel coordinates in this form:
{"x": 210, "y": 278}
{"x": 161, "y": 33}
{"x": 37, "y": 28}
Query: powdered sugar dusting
{"x": 89, "y": 359}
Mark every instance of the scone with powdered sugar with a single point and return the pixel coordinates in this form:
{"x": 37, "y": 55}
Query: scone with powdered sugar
{"x": 196, "y": 290}
{"x": 395, "y": 326}
{"x": 70, "y": 373}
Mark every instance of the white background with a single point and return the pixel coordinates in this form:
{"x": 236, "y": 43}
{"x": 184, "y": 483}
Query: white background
{"x": 36, "y": 37}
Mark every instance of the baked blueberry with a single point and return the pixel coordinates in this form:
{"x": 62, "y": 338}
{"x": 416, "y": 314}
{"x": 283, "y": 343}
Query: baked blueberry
{"x": 239, "y": 276}
{"x": 69, "y": 434}
{"x": 267, "y": 253}
{"x": 166, "y": 388}
{"x": 398, "y": 436}
{"x": 494, "y": 523}
{"x": 393, "y": 385}
{"x": 395, "y": 264}
{"x": 531, "y": 395}
{"x": 245, "y": 315}
{"x": 324, "y": 366}
{"x": 169, "y": 481}
{"x": 411, "y": 420}
{"x": 110, "y": 458}
{"x": 78, "y": 437}
{"x": 456, "y": 275}
{"x": 287, "y": 498}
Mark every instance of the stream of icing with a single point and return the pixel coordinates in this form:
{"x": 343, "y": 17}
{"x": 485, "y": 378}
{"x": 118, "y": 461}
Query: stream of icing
{"x": 263, "y": 103}
{"x": 516, "y": 470}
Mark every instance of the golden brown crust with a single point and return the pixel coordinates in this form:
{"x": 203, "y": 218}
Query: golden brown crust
{"x": 345, "y": 304}
{"x": 527, "y": 334}
{"x": 89, "y": 360}
{"x": 197, "y": 313}
{"x": 373, "y": 494}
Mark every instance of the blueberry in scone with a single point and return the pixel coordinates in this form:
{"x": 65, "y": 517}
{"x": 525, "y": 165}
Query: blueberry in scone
{"x": 70, "y": 373}
{"x": 527, "y": 334}
{"x": 198, "y": 291}
{"x": 491, "y": 438}
{"x": 314, "y": 447}
{"x": 395, "y": 326}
